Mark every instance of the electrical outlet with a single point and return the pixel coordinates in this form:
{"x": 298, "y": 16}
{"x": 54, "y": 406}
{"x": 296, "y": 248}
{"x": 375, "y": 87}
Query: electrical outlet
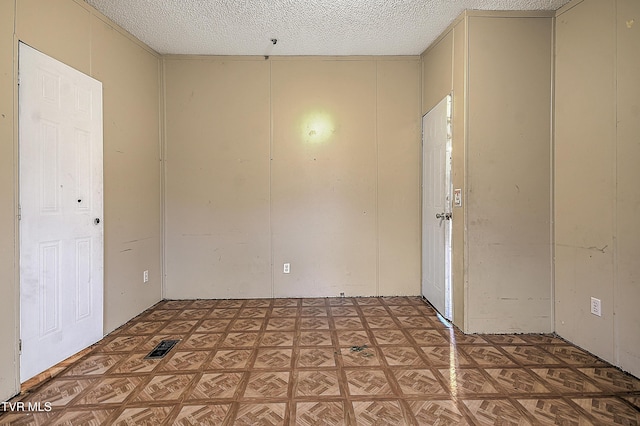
{"x": 287, "y": 268}
{"x": 596, "y": 307}
{"x": 145, "y": 276}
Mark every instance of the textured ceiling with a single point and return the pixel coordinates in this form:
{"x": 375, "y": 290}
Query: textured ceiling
{"x": 302, "y": 27}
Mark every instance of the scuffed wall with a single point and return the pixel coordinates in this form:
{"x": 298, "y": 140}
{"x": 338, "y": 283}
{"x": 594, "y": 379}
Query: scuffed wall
{"x": 307, "y": 161}
{"x": 72, "y": 32}
{"x": 597, "y": 198}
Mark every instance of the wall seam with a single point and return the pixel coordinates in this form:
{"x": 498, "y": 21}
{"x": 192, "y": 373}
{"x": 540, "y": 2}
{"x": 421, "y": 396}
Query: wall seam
{"x": 271, "y": 254}
{"x": 552, "y": 161}
{"x": 616, "y": 337}
{"x": 465, "y": 200}
{"x": 377, "y": 198}
{"x": 163, "y": 176}
{"x": 420, "y": 178}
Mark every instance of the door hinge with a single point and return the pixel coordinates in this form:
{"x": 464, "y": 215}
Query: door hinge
{"x": 19, "y": 212}
{"x": 20, "y": 346}
{"x": 18, "y": 79}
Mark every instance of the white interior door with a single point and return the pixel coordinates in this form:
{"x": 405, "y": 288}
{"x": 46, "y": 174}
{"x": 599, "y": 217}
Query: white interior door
{"x": 436, "y": 207}
{"x": 61, "y": 229}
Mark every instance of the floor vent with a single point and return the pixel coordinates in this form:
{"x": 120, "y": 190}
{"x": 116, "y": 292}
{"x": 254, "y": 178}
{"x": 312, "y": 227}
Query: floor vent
{"x": 161, "y": 349}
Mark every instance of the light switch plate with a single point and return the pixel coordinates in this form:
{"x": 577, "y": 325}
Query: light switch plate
{"x": 457, "y": 197}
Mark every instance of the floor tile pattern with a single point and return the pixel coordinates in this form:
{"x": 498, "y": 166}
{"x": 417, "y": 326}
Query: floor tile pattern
{"x": 325, "y": 361}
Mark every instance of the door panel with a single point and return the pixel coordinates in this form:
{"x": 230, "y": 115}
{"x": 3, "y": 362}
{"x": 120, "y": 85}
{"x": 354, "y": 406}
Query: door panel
{"x": 436, "y": 201}
{"x": 61, "y": 242}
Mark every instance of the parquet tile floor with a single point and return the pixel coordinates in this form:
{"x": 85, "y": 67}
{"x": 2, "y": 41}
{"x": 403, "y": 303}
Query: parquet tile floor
{"x": 332, "y": 361}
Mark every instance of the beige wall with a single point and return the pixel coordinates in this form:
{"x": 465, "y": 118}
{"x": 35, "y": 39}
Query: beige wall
{"x": 217, "y": 178}
{"x": 498, "y": 67}
{"x": 597, "y": 199}
{"x": 444, "y": 70}
{"x": 248, "y": 186}
{"x": 74, "y": 33}
{"x": 508, "y": 174}
{"x": 437, "y": 69}
{"x": 398, "y": 198}
{"x": 627, "y": 284}
{"x": 252, "y": 180}
{"x": 130, "y": 75}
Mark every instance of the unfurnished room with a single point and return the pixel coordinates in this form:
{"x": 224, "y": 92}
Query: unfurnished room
{"x": 323, "y": 212}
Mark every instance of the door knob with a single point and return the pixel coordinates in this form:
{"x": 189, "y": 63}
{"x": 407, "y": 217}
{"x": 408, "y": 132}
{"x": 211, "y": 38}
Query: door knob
{"x": 446, "y": 216}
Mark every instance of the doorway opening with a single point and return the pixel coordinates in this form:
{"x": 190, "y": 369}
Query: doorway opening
{"x": 437, "y": 191}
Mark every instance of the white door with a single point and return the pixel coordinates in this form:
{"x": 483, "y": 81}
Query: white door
{"x": 436, "y": 207}
{"x": 61, "y": 230}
